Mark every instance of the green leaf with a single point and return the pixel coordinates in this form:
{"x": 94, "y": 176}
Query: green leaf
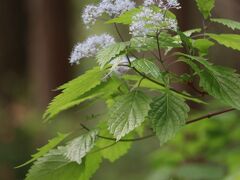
{"x": 227, "y": 22}
{"x": 147, "y": 67}
{"x": 43, "y": 150}
{"x": 202, "y": 45}
{"x": 150, "y": 43}
{"x": 228, "y": 40}
{"x": 205, "y": 7}
{"x": 220, "y": 82}
{"x": 127, "y": 113}
{"x": 114, "y": 150}
{"x": 55, "y": 166}
{"x": 125, "y": 18}
{"x": 150, "y": 85}
{"x": 168, "y": 114}
{"x": 91, "y": 165}
{"x": 79, "y": 147}
{"x": 74, "y": 90}
{"x": 107, "y": 54}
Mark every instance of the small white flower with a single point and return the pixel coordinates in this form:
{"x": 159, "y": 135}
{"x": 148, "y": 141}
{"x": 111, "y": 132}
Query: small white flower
{"x": 149, "y": 22}
{"x": 163, "y": 4}
{"x": 90, "y": 14}
{"x": 90, "y": 47}
{"x": 111, "y": 7}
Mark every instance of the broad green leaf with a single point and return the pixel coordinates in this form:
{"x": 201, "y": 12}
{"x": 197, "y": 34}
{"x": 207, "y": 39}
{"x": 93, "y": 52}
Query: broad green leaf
{"x": 227, "y": 22}
{"x": 55, "y": 166}
{"x": 150, "y": 85}
{"x": 91, "y": 165}
{"x": 111, "y": 150}
{"x": 202, "y": 45}
{"x": 127, "y": 113}
{"x": 43, "y": 150}
{"x": 147, "y": 67}
{"x": 79, "y": 147}
{"x": 73, "y": 90}
{"x": 107, "y": 54}
{"x": 205, "y": 7}
{"x": 220, "y": 82}
{"x": 125, "y": 18}
{"x": 228, "y": 40}
{"x": 168, "y": 114}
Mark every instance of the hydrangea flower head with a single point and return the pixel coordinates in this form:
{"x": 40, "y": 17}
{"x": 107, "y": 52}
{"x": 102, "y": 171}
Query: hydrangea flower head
{"x": 163, "y": 4}
{"x": 90, "y": 47}
{"x": 110, "y": 7}
{"x": 149, "y": 22}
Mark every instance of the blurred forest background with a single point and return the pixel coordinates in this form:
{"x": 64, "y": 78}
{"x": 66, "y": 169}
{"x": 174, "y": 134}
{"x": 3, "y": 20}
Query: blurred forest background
{"x": 36, "y": 37}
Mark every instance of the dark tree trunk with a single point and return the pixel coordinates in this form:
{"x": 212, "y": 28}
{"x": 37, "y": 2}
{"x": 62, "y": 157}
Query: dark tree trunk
{"x": 48, "y": 47}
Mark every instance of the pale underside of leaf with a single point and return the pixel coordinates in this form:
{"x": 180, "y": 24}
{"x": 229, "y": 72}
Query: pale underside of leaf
{"x": 79, "y": 147}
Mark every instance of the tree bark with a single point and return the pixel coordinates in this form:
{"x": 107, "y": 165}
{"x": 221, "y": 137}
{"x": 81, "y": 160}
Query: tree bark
{"x": 48, "y": 47}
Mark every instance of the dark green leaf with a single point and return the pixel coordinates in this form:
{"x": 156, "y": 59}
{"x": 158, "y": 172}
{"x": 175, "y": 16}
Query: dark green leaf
{"x": 168, "y": 114}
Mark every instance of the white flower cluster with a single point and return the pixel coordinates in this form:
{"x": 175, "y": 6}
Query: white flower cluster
{"x": 110, "y": 7}
{"x": 163, "y": 4}
{"x": 90, "y": 47}
{"x": 149, "y": 22}
{"x": 120, "y": 65}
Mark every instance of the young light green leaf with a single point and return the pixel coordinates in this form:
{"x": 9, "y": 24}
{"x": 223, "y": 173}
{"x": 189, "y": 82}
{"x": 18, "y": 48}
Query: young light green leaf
{"x": 168, "y": 114}
{"x": 73, "y": 90}
{"x": 234, "y": 25}
{"x": 127, "y": 113}
{"x": 202, "y": 45}
{"x": 107, "y": 54}
{"x": 205, "y": 7}
{"x": 43, "y": 150}
{"x": 125, "y": 18}
{"x": 147, "y": 67}
{"x": 228, "y": 40}
{"x": 150, "y": 85}
{"x": 115, "y": 150}
{"x": 91, "y": 165}
{"x": 79, "y": 147}
{"x": 220, "y": 82}
{"x": 54, "y": 165}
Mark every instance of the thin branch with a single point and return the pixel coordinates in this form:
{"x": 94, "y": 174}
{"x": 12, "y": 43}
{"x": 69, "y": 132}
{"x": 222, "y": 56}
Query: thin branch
{"x": 152, "y": 135}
